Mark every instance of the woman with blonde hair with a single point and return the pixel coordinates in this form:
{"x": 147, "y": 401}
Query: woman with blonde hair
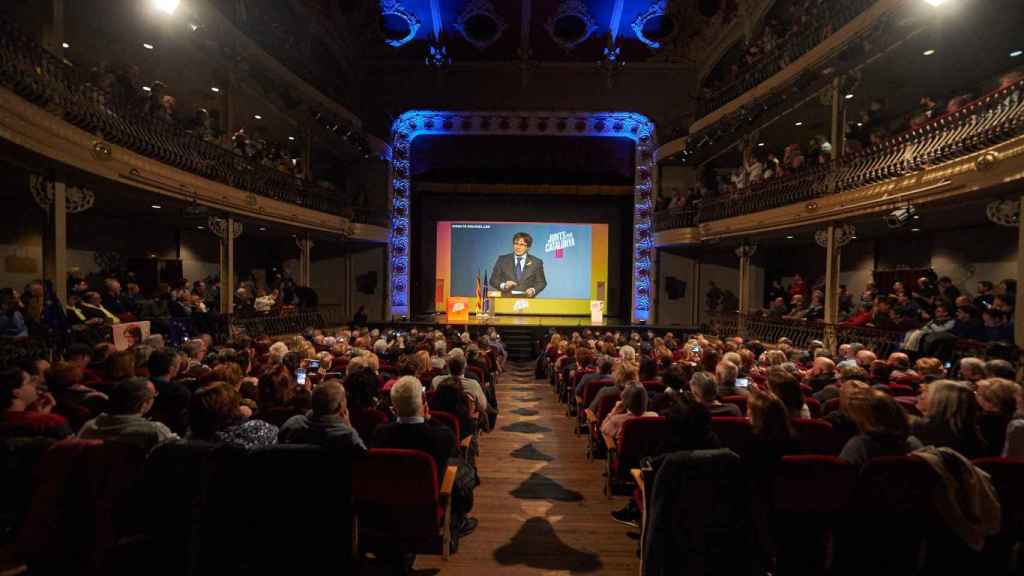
{"x": 882, "y": 428}
{"x": 951, "y": 419}
{"x": 997, "y": 398}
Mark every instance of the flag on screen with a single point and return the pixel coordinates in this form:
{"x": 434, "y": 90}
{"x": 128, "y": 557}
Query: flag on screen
{"x": 479, "y": 295}
{"x": 487, "y": 301}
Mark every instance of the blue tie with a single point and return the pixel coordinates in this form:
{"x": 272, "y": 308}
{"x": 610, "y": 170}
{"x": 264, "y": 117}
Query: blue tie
{"x": 519, "y": 268}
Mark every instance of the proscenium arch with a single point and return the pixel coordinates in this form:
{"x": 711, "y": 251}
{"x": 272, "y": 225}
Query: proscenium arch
{"x": 413, "y": 123}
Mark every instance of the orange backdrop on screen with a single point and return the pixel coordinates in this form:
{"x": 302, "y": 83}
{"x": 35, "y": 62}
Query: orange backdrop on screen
{"x": 458, "y": 309}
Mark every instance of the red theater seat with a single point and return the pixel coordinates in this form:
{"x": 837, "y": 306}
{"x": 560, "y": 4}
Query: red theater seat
{"x": 733, "y": 432}
{"x": 811, "y": 495}
{"x": 400, "y": 505}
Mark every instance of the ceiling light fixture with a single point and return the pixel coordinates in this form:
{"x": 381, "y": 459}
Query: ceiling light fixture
{"x": 263, "y": 228}
{"x": 760, "y": 144}
{"x": 200, "y": 227}
{"x": 789, "y": 237}
{"x": 214, "y": 89}
{"x": 292, "y": 138}
{"x": 147, "y": 89}
{"x": 66, "y": 45}
{"x": 915, "y": 229}
{"x": 166, "y": 6}
{"x": 798, "y": 124}
{"x": 849, "y": 96}
{"x": 193, "y": 26}
{"x": 156, "y": 206}
{"x": 859, "y": 124}
{"x": 928, "y": 52}
{"x": 147, "y": 45}
{"x": 257, "y": 116}
{"x": 1013, "y": 54}
{"x": 936, "y": 3}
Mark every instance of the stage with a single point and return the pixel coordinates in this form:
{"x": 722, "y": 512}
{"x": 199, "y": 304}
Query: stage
{"x": 520, "y": 320}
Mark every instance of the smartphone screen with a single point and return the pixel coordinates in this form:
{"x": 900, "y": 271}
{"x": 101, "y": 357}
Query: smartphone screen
{"x": 695, "y": 349}
{"x": 314, "y": 364}
{"x": 300, "y": 376}
{"x": 742, "y": 382}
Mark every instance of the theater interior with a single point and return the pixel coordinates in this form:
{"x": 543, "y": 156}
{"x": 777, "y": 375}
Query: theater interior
{"x": 426, "y": 287}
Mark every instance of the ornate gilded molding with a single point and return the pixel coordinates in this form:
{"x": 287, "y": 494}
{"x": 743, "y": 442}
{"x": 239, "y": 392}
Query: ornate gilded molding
{"x": 480, "y": 9}
{"x": 76, "y": 199}
{"x": 571, "y": 9}
{"x": 842, "y": 235}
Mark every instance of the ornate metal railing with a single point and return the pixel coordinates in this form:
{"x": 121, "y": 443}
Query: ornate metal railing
{"x": 983, "y": 123}
{"x": 829, "y": 17}
{"x": 61, "y": 89}
{"x": 669, "y": 219}
{"x": 800, "y": 332}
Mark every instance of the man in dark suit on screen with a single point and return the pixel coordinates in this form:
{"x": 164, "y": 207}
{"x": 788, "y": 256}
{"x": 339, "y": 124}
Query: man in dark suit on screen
{"x": 519, "y": 271}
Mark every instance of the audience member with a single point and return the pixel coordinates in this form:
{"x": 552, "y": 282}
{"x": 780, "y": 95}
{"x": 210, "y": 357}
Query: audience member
{"x": 125, "y": 421}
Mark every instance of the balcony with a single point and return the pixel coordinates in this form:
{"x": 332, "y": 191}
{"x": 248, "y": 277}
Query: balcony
{"x": 51, "y": 84}
{"x": 987, "y": 122}
{"x": 827, "y": 18}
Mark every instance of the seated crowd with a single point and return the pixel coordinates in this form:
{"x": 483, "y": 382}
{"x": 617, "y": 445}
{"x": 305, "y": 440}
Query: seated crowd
{"x": 929, "y": 313}
{"x": 96, "y": 303}
{"x": 350, "y": 389}
{"x": 872, "y": 127}
{"x": 785, "y": 400}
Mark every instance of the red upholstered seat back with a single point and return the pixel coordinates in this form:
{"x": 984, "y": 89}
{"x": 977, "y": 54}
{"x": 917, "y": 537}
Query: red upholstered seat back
{"x": 1007, "y": 478}
{"x": 605, "y": 406}
{"x": 592, "y": 388}
{"x": 641, "y": 437}
{"x": 653, "y": 385}
{"x": 815, "y": 436}
{"x": 814, "y": 484}
{"x": 739, "y": 400}
{"x": 396, "y": 494}
{"x": 831, "y": 405}
{"x": 734, "y": 433}
{"x": 449, "y": 420}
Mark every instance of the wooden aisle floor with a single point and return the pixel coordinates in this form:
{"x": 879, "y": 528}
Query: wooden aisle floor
{"x": 540, "y": 502}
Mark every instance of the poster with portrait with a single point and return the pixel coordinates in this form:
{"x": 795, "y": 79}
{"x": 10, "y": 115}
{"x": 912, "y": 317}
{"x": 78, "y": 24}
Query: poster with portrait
{"x": 128, "y": 334}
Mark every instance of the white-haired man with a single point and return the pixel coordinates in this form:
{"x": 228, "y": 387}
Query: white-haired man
{"x": 414, "y": 431}
{"x": 457, "y": 368}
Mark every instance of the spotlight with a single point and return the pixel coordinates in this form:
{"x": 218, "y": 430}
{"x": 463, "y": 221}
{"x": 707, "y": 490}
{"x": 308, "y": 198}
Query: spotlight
{"x": 200, "y": 227}
{"x": 789, "y": 237}
{"x": 66, "y": 45}
{"x": 899, "y": 217}
{"x": 156, "y": 206}
{"x": 915, "y": 229}
{"x": 849, "y": 96}
{"x": 928, "y": 52}
{"x": 798, "y": 124}
{"x": 166, "y": 6}
{"x": 214, "y": 89}
{"x": 147, "y": 45}
{"x": 760, "y": 144}
{"x": 257, "y": 116}
{"x": 1013, "y": 54}
{"x": 263, "y": 228}
{"x": 292, "y": 138}
{"x": 147, "y": 89}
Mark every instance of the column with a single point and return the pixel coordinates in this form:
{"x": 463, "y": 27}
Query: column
{"x": 227, "y": 229}
{"x": 305, "y": 245}
{"x": 55, "y": 241}
{"x": 745, "y": 250}
{"x": 1018, "y": 310}
{"x": 832, "y": 285}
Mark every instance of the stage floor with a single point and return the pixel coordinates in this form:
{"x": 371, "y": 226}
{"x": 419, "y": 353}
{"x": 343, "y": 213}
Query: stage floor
{"x": 517, "y": 320}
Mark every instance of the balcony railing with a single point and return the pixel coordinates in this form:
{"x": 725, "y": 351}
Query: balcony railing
{"x": 801, "y": 333}
{"x": 669, "y": 219}
{"x": 827, "y": 18}
{"x": 61, "y": 89}
{"x": 984, "y": 123}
